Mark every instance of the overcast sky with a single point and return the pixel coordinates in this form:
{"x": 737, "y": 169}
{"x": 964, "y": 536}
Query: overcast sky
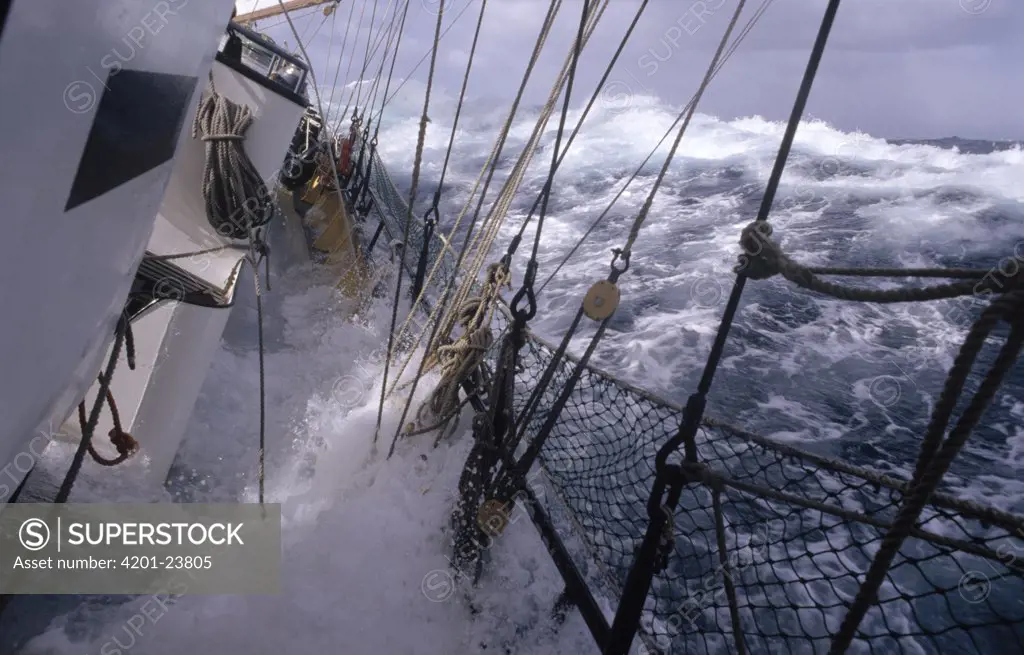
{"x": 894, "y": 68}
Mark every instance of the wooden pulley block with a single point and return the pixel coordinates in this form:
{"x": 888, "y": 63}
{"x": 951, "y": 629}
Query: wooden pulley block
{"x": 492, "y": 518}
{"x": 601, "y": 300}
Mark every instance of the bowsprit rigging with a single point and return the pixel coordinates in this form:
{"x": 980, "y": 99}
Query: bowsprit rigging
{"x": 735, "y": 510}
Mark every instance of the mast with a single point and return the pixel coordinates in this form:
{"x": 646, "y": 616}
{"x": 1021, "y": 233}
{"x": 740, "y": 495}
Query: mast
{"x": 277, "y": 9}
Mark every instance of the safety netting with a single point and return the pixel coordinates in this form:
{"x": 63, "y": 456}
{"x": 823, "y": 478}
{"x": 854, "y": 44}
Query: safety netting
{"x": 391, "y": 208}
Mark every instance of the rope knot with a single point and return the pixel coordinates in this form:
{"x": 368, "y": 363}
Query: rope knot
{"x": 498, "y": 276}
{"x": 761, "y": 258}
{"x": 125, "y": 443}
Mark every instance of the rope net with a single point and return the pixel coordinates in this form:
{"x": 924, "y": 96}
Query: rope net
{"x": 391, "y": 208}
{"x": 770, "y": 548}
{"x": 799, "y": 530}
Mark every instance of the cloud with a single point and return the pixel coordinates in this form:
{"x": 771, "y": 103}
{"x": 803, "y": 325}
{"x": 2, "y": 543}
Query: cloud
{"x": 915, "y": 68}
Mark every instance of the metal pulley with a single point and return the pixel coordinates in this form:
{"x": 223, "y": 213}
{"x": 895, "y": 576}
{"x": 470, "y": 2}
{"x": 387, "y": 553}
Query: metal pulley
{"x": 601, "y": 300}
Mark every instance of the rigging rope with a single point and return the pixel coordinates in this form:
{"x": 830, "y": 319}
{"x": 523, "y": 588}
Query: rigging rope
{"x": 337, "y": 70}
{"x": 408, "y": 221}
{"x": 937, "y": 455}
{"x": 491, "y": 159}
{"x": 319, "y": 102}
{"x": 231, "y": 184}
{"x": 499, "y": 209}
{"x": 124, "y": 443}
{"x": 483, "y": 240}
{"x": 428, "y": 361}
{"x": 391, "y": 71}
{"x": 431, "y": 217}
{"x": 383, "y": 62}
{"x": 636, "y": 173}
{"x": 463, "y": 300}
{"x": 526, "y": 290}
{"x": 122, "y": 338}
{"x": 579, "y": 125}
{"x": 415, "y": 68}
{"x": 620, "y": 262}
{"x": 366, "y": 54}
{"x": 764, "y": 258}
{"x": 491, "y": 424}
{"x": 350, "y": 92}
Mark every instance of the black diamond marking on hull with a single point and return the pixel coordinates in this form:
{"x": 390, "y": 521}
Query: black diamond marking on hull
{"x": 135, "y": 129}
{"x": 5, "y": 8}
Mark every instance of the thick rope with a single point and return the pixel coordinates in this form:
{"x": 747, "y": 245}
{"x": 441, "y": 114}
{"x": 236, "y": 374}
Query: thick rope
{"x": 763, "y": 258}
{"x": 125, "y": 444}
{"x": 236, "y": 197}
{"x": 121, "y": 338}
{"x": 936, "y": 456}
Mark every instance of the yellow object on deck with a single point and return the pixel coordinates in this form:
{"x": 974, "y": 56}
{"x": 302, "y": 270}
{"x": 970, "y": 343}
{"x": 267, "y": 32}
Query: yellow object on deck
{"x": 330, "y": 217}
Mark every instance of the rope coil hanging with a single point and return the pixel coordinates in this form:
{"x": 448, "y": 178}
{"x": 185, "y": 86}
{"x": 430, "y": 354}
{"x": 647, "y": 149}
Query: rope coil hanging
{"x": 237, "y": 199}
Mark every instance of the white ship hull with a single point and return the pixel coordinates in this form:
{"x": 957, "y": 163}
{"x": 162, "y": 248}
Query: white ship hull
{"x": 99, "y": 95}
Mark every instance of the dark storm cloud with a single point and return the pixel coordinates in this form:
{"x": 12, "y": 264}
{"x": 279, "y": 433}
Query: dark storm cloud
{"x": 915, "y": 68}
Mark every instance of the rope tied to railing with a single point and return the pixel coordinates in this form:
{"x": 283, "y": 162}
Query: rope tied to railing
{"x": 460, "y": 360}
{"x": 763, "y": 258}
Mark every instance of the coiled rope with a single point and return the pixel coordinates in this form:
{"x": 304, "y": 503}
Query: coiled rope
{"x": 459, "y": 360}
{"x": 237, "y": 198}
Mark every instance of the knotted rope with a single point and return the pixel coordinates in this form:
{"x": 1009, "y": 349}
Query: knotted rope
{"x": 458, "y": 361}
{"x": 125, "y": 444}
{"x": 763, "y": 258}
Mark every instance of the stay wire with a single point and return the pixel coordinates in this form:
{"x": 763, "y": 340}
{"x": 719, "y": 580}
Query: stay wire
{"x": 408, "y": 222}
{"x": 432, "y": 217}
{"x": 526, "y": 290}
{"x": 636, "y": 173}
{"x": 449, "y": 286}
{"x": 514, "y": 244}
